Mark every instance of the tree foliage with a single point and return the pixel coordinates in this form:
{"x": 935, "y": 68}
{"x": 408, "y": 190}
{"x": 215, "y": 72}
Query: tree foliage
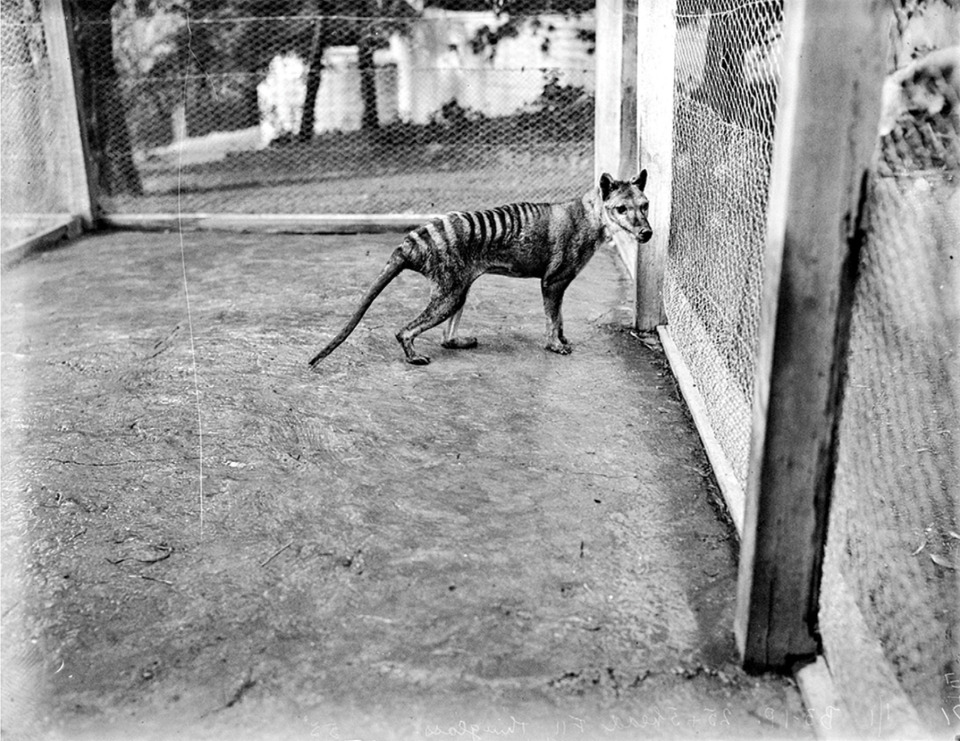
{"x": 513, "y": 15}
{"x": 230, "y": 44}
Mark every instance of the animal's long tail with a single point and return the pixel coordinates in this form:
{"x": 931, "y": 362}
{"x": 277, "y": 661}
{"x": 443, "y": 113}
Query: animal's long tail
{"x": 395, "y": 265}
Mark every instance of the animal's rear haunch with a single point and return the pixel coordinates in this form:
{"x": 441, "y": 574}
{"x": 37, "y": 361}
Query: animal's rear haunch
{"x": 551, "y": 242}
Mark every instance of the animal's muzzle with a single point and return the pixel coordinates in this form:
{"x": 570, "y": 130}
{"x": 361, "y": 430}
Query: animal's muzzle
{"x": 645, "y": 234}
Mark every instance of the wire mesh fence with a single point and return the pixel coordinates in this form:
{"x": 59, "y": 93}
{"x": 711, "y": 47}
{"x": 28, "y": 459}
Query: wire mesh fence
{"x": 726, "y": 82}
{"x": 31, "y": 193}
{"x": 278, "y": 108}
{"x": 894, "y": 531}
{"x": 894, "y": 534}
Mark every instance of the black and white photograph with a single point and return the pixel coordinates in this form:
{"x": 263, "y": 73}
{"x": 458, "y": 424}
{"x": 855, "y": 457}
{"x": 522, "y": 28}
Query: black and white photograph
{"x": 479, "y": 370}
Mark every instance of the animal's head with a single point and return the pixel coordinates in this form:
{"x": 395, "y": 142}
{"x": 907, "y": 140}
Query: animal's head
{"x": 624, "y": 206}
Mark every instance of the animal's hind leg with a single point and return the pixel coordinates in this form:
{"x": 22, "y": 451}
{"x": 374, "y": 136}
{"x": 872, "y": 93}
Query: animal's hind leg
{"x": 443, "y": 304}
{"x": 450, "y": 339}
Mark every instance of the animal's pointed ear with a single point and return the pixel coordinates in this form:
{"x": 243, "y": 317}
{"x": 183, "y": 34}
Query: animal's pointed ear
{"x": 606, "y": 185}
{"x": 641, "y": 180}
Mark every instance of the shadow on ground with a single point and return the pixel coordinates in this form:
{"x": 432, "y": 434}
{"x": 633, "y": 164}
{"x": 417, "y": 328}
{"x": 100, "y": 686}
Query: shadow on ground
{"x": 506, "y": 542}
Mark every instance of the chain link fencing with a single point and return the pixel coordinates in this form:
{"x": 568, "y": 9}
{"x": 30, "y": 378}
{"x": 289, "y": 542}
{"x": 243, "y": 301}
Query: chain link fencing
{"x": 894, "y": 532}
{"x": 244, "y": 110}
{"x": 31, "y": 192}
{"x": 726, "y": 82}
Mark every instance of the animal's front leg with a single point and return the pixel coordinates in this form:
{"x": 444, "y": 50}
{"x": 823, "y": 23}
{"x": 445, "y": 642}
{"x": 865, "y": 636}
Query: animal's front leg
{"x": 552, "y": 300}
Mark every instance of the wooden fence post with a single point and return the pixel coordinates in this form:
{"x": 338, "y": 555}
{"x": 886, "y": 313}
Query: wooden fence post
{"x": 628, "y": 92}
{"x": 655, "y": 73}
{"x": 832, "y": 74}
{"x": 615, "y": 130}
{"x": 609, "y": 65}
{"x": 79, "y": 182}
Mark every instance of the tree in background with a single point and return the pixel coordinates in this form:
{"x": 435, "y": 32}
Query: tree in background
{"x": 319, "y": 40}
{"x": 383, "y": 18}
{"x": 102, "y": 103}
{"x": 515, "y": 13}
{"x": 223, "y": 51}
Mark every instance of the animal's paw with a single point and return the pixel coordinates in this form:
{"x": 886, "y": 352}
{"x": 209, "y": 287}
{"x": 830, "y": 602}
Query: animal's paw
{"x": 418, "y": 360}
{"x": 460, "y": 343}
{"x": 561, "y": 348}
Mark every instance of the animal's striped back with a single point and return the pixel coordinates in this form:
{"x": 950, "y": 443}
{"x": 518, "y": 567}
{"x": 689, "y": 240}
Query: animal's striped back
{"x": 477, "y": 230}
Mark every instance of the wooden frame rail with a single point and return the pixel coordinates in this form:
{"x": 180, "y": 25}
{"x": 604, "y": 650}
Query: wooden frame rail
{"x": 73, "y": 147}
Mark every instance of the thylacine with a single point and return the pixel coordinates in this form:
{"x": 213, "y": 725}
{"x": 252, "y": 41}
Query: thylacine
{"x": 552, "y": 242}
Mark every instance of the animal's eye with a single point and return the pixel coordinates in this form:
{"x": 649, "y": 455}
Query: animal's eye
{"x": 621, "y": 209}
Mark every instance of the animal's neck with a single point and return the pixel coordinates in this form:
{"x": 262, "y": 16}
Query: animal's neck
{"x": 592, "y": 205}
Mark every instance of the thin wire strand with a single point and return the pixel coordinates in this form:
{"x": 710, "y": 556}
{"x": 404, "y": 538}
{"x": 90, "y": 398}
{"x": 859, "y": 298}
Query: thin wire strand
{"x": 727, "y": 11}
{"x": 186, "y": 293}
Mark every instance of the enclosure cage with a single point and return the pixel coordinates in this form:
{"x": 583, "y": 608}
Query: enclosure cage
{"x": 130, "y": 114}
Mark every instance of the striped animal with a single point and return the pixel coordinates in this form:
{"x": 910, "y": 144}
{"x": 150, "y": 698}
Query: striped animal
{"x": 552, "y": 242}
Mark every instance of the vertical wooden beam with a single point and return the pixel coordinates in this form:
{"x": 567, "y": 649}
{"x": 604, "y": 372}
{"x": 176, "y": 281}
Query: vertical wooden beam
{"x": 657, "y": 34}
{"x": 79, "y": 183}
{"x": 628, "y": 92}
{"x": 829, "y": 107}
{"x": 609, "y": 68}
{"x": 628, "y": 160}
{"x": 615, "y": 129}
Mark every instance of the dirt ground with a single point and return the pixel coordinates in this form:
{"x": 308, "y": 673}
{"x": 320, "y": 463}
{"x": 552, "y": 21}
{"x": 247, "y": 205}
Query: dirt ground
{"x": 204, "y": 539}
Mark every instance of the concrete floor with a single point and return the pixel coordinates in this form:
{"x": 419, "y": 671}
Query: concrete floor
{"x": 204, "y": 539}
